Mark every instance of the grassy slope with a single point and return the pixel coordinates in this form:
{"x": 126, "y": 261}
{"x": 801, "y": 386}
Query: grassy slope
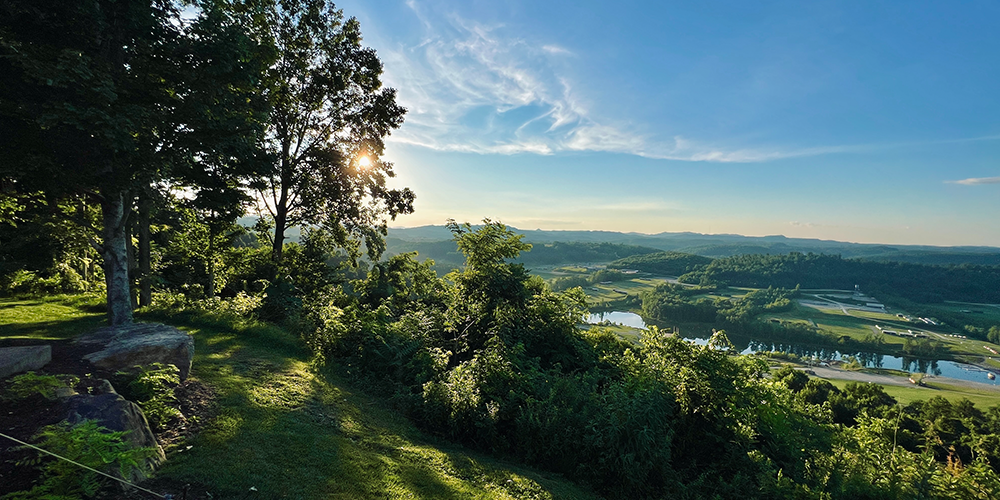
{"x": 292, "y": 432}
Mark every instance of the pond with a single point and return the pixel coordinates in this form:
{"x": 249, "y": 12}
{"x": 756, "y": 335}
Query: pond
{"x": 746, "y": 345}
{"x": 619, "y": 318}
{"x": 940, "y": 368}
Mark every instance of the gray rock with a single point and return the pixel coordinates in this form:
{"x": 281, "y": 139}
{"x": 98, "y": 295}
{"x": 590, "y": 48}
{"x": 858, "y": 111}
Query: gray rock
{"x": 120, "y": 347}
{"x": 105, "y": 387}
{"x": 118, "y": 414}
{"x": 65, "y": 392}
{"x": 21, "y": 359}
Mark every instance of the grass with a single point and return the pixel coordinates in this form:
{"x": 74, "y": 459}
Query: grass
{"x": 859, "y": 325}
{"x": 606, "y": 293}
{"x": 50, "y": 318}
{"x": 626, "y": 332}
{"x": 986, "y": 312}
{"x": 906, "y": 395}
{"x": 292, "y": 431}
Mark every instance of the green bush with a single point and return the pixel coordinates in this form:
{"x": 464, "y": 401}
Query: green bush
{"x": 152, "y": 388}
{"x": 28, "y": 384}
{"x": 85, "y": 443}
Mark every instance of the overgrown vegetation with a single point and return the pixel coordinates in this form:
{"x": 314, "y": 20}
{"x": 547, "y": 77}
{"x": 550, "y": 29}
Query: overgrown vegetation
{"x": 85, "y": 443}
{"x": 152, "y": 388}
{"x": 492, "y": 358}
{"x": 28, "y": 384}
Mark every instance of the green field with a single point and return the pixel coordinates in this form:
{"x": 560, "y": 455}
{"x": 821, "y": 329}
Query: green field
{"x": 859, "y": 324}
{"x": 982, "y": 399}
{"x": 606, "y": 293}
{"x": 626, "y": 332}
{"x": 978, "y": 312}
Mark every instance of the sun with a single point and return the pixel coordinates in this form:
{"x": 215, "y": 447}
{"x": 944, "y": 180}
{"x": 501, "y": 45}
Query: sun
{"x": 364, "y": 162}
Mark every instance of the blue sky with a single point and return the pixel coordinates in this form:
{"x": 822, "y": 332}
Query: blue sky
{"x": 859, "y": 121}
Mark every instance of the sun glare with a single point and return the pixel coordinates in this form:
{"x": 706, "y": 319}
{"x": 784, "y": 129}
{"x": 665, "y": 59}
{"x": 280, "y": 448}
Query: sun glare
{"x": 364, "y": 162}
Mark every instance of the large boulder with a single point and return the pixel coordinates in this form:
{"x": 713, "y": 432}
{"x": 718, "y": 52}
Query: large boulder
{"x": 120, "y": 347}
{"x": 116, "y": 413}
{"x": 21, "y": 359}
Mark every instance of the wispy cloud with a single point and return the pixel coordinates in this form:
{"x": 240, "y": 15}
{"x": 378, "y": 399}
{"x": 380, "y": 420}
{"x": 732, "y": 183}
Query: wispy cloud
{"x": 974, "y": 181}
{"x": 555, "y": 49}
{"x": 476, "y": 88}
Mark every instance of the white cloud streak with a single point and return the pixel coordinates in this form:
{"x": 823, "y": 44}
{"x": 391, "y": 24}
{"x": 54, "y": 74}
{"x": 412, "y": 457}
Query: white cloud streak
{"x": 975, "y": 181}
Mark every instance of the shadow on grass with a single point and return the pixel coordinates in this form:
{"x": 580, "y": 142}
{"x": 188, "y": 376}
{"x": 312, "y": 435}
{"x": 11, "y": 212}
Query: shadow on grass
{"x": 289, "y": 431}
{"x": 55, "y": 329}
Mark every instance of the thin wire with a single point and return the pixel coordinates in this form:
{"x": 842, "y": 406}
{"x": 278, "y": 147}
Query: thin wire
{"x": 29, "y": 445}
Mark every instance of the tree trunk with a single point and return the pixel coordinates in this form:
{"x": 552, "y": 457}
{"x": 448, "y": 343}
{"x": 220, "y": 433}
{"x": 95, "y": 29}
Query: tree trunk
{"x": 280, "y": 219}
{"x": 133, "y": 266}
{"x": 281, "y": 208}
{"x": 115, "y": 253}
{"x": 145, "y": 260}
{"x": 210, "y": 289}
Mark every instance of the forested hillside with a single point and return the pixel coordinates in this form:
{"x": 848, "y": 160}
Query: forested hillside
{"x": 446, "y": 258}
{"x": 921, "y": 283}
{"x": 728, "y": 245}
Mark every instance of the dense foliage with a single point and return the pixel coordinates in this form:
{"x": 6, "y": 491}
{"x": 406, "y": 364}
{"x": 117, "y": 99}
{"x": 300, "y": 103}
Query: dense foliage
{"x": 921, "y": 283}
{"x": 492, "y": 357}
{"x": 84, "y": 443}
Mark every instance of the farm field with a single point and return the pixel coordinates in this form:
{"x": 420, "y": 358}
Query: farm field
{"x": 905, "y": 395}
{"x": 860, "y": 324}
{"x": 606, "y": 293}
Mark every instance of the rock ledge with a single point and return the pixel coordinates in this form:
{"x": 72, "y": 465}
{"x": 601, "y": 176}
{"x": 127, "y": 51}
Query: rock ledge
{"x": 126, "y": 346}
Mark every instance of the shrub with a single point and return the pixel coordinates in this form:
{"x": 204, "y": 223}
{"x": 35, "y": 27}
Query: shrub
{"x": 28, "y": 384}
{"x": 85, "y": 443}
{"x": 152, "y": 387}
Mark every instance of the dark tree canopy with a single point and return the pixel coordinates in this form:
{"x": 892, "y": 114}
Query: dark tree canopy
{"x": 105, "y": 99}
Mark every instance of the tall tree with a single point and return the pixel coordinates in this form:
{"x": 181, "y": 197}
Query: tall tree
{"x": 330, "y": 115}
{"x": 97, "y": 98}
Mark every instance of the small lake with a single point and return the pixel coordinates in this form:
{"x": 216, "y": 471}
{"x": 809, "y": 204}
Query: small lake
{"x": 618, "y": 318}
{"x": 938, "y": 368}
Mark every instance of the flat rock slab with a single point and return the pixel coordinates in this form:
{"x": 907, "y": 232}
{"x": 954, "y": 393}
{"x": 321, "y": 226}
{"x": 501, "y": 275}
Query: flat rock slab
{"x": 120, "y": 347}
{"x": 21, "y": 359}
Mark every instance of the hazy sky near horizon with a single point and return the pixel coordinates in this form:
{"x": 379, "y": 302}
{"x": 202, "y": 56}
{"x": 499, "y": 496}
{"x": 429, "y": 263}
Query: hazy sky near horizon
{"x": 857, "y": 121}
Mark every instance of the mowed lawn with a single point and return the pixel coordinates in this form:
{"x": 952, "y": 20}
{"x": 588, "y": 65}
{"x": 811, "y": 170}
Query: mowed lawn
{"x": 50, "y": 318}
{"x": 905, "y": 395}
{"x": 858, "y": 326}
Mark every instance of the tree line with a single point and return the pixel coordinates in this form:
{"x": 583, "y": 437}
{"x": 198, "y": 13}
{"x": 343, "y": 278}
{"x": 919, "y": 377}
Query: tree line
{"x": 916, "y": 282}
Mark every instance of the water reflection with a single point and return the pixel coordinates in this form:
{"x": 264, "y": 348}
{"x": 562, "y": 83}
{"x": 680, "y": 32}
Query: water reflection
{"x": 618, "y": 318}
{"x": 700, "y": 334}
{"x": 869, "y": 359}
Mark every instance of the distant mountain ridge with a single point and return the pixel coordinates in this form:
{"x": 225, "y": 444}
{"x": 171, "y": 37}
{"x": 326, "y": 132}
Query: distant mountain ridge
{"x": 726, "y": 245}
